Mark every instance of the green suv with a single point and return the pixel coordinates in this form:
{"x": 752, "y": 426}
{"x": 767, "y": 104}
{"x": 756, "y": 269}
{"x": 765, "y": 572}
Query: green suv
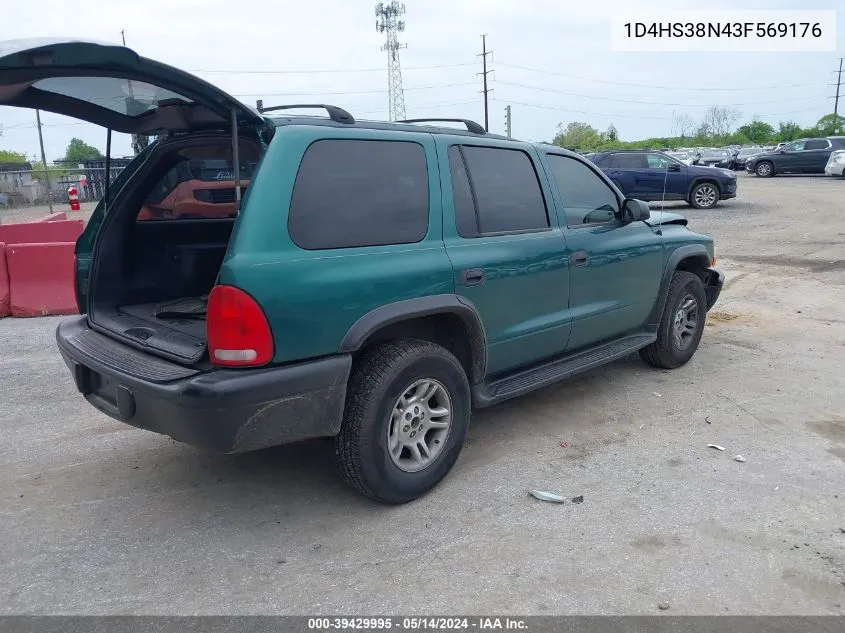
{"x": 325, "y": 277}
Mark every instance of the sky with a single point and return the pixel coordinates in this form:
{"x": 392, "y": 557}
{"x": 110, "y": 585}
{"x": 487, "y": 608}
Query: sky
{"x": 552, "y": 62}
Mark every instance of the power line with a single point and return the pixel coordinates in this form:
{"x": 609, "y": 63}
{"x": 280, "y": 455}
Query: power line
{"x": 559, "y": 109}
{"x": 627, "y": 116}
{"x": 327, "y": 71}
{"x": 660, "y": 103}
{"x": 651, "y": 86}
{"x": 421, "y": 106}
{"x": 348, "y": 92}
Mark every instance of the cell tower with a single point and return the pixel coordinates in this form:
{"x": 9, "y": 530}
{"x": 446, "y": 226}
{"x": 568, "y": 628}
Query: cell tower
{"x": 388, "y": 14}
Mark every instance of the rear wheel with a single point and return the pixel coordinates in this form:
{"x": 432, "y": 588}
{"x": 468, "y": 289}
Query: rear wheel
{"x": 765, "y": 169}
{"x": 681, "y": 324}
{"x": 704, "y": 195}
{"x": 407, "y": 414}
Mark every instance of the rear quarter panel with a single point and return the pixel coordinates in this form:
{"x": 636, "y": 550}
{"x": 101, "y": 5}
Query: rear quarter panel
{"x": 312, "y": 298}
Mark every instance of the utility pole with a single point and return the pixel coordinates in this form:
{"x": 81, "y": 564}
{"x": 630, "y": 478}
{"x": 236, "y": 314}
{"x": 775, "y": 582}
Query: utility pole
{"x": 508, "y": 121}
{"x": 838, "y": 84}
{"x": 44, "y": 161}
{"x": 388, "y": 22}
{"x": 483, "y": 55}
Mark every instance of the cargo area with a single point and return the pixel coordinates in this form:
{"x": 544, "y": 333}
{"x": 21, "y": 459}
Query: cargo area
{"x": 162, "y": 244}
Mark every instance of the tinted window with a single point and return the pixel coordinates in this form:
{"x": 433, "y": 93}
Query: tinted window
{"x": 465, "y": 217}
{"x": 507, "y": 193}
{"x": 359, "y": 193}
{"x": 628, "y": 161}
{"x": 816, "y": 143}
{"x": 128, "y": 97}
{"x": 586, "y": 197}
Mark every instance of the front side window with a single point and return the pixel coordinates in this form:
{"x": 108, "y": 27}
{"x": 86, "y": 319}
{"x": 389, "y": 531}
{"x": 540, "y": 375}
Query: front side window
{"x": 354, "y": 193}
{"x": 658, "y": 161}
{"x": 797, "y": 146}
{"x": 504, "y": 188}
{"x": 586, "y": 197}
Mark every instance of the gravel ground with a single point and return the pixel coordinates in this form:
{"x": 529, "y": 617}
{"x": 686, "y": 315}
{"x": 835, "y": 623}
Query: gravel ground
{"x": 30, "y": 214}
{"x": 101, "y": 518}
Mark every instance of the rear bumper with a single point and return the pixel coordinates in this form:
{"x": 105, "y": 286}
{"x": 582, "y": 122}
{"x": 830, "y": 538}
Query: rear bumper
{"x": 713, "y": 282}
{"x": 230, "y": 411}
{"x": 834, "y": 169}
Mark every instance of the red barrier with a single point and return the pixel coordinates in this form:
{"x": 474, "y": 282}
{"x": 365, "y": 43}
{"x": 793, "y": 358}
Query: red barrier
{"x": 53, "y": 217}
{"x": 40, "y": 232}
{"x": 41, "y": 279}
{"x": 4, "y": 283}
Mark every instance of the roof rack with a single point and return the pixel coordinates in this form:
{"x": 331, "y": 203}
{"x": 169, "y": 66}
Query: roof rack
{"x": 338, "y": 115}
{"x": 472, "y": 126}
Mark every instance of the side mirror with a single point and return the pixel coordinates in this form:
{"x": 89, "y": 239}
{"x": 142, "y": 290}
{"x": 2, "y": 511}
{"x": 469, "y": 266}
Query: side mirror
{"x": 673, "y": 167}
{"x": 635, "y": 210}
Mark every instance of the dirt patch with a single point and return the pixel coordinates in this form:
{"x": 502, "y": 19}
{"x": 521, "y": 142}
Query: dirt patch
{"x": 721, "y": 317}
{"x": 812, "y": 265}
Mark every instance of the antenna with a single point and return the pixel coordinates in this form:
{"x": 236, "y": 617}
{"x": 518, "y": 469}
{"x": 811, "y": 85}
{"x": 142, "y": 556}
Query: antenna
{"x": 388, "y": 22}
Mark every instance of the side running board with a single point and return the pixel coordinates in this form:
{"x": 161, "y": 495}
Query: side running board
{"x": 550, "y": 372}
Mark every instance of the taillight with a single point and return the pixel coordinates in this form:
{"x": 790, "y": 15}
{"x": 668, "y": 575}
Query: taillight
{"x": 238, "y": 332}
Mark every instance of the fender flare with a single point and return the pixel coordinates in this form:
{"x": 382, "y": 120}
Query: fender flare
{"x": 688, "y": 251}
{"x": 699, "y": 179}
{"x": 398, "y": 311}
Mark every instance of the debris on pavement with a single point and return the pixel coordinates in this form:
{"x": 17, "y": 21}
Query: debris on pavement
{"x": 578, "y": 499}
{"x": 716, "y": 446}
{"x": 739, "y": 458}
{"x": 655, "y": 394}
{"x": 546, "y": 496}
{"x": 707, "y": 419}
{"x": 564, "y": 444}
{"x": 663, "y": 606}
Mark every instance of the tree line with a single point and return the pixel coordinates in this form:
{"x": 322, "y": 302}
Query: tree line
{"x": 78, "y": 151}
{"x": 718, "y": 127}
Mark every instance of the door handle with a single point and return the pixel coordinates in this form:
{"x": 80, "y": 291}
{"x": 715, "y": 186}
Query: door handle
{"x": 579, "y": 258}
{"x": 472, "y": 276}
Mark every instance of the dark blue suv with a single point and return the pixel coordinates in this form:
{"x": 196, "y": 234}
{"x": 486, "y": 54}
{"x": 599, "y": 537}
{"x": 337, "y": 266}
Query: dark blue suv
{"x": 650, "y": 176}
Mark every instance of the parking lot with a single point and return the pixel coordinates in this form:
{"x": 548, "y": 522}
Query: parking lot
{"x": 98, "y": 517}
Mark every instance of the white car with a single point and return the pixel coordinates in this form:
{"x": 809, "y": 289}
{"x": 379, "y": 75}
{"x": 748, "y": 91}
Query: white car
{"x": 836, "y": 163}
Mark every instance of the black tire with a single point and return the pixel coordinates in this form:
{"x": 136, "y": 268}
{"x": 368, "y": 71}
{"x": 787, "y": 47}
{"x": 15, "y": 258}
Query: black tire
{"x": 765, "y": 169}
{"x": 378, "y": 379}
{"x": 665, "y": 352}
{"x": 697, "y": 197}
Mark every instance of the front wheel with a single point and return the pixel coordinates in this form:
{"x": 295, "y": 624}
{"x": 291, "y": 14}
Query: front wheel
{"x": 704, "y": 195}
{"x": 681, "y": 324}
{"x": 407, "y": 415}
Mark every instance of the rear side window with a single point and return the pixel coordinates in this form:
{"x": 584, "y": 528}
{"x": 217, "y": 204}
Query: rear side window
{"x": 586, "y": 197}
{"x": 502, "y": 187}
{"x": 627, "y": 161}
{"x": 351, "y": 193}
{"x": 817, "y": 143}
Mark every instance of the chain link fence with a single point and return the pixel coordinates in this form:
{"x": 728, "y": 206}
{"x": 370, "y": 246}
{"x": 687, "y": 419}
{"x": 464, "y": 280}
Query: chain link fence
{"x": 32, "y": 188}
